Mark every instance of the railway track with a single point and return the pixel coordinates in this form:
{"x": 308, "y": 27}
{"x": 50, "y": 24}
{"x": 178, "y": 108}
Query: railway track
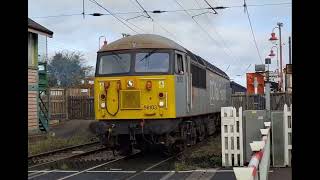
{"x": 134, "y": 165}
{"x": 63, "y": 154}
{"x": 130, "y": 167}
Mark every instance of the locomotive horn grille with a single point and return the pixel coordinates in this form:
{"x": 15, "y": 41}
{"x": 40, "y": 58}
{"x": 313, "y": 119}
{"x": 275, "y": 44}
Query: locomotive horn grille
{"x": 130, "y": 99}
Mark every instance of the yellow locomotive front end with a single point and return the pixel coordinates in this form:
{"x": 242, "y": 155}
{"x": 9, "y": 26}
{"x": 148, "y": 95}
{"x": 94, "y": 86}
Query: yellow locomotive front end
{"x": 135, "y": 91}
{"x": 134, "y": 97}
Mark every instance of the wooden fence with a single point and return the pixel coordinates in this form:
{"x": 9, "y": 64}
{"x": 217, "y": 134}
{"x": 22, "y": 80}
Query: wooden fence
{"x": 69, "y": 104}
{"x": 80, "y": 107}
{"x": 56, "y": 105}
{"x": 258, "y": 102}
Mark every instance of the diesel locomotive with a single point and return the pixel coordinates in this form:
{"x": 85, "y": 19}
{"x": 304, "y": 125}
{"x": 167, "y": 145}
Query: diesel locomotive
{"x": 149, "y": 90}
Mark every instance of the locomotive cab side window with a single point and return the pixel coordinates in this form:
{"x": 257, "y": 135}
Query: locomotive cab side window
{"x": 198, "y": 76}
{"x": 179, "y": 64}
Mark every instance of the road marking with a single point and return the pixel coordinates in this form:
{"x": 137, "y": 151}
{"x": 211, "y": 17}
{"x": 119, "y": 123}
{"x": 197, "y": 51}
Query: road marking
{"x": 202, "y": 174}
{"x": 151, "y": 167}
{"x": 44, "y": 173}
{"x": 36, "y": 172}
{"x": 61, "y": 171}
{"x": 167, "y": 176}
{"x": 111, "y": 171}
{"x": 100, "y": 165}
{"x": 158, "y": 171}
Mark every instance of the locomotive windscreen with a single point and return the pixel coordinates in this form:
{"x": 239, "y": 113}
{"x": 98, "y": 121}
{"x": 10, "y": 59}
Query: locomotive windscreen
{"x": 114, "y": 63}
{"x": 155, "y": 62}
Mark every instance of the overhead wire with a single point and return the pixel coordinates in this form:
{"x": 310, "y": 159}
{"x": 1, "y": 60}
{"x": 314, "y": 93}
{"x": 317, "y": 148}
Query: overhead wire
{"x": 160, "y": 11}
{"x": 95, "y": 2}
{"x": 204, "y": 30}
{"x": 216, "y": 31}
{"x": 163, "y": 28}
{"x": 254, "y": 37}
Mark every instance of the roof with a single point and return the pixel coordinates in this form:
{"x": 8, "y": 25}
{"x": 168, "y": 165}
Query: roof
{"x": 142, "y": 41}
{"x": 208, "y": 65}
{"x": 148, "y": 41}
{"x": 232, "y": 83}
{"x": 37, "y": 28}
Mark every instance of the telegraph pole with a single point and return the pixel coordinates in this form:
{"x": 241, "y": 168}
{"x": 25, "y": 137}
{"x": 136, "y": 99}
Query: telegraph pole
{"x": 281, "y": 79}
{"x": 290, "y": 62}
{"x": 267, "y": 62}
{"x": 83, "y": 13}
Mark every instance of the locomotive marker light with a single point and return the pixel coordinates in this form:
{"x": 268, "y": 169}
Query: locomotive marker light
{"x": 161, "y": 103}
{"x": 102, "y": 96}
{"x": 149, "y": 85}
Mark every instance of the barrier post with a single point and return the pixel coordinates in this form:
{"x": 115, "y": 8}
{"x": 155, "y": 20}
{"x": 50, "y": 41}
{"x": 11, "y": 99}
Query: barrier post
{"x": 259, "y": 164}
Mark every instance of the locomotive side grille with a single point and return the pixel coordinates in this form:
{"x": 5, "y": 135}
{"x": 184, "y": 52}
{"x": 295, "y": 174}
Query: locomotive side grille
{"x": 130, "y": 99}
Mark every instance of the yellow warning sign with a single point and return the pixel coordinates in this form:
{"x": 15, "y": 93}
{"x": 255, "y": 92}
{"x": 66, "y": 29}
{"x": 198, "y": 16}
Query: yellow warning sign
{"x": 161, "y": 84}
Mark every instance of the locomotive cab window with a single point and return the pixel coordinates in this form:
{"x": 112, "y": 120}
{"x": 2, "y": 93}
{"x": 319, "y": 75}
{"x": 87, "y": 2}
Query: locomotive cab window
{"x": 114, "y": 63}
{"x": 179, "y": 64}
{"x": 152, "y": 62}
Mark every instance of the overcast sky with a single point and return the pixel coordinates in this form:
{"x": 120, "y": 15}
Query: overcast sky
{"x": 230, "y": 43}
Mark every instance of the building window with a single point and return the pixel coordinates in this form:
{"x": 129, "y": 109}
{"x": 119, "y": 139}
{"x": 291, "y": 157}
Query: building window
{"x": 42, "y": 48}
{"x": 199, "y": 78}
{"x": 32, "y": 38}
{"x": 179, "y": 64}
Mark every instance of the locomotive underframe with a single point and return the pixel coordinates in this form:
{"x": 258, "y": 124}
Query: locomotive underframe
{"x": 173, "y": 134}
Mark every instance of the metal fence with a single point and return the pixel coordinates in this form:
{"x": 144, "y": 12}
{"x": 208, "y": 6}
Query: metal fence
{"x": 258, "y": 102}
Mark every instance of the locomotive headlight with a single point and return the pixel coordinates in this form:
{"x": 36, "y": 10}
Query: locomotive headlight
{"x": 103, "y": 105}
{"x": 161, "y": 103}
{"x": 130, "y": 83}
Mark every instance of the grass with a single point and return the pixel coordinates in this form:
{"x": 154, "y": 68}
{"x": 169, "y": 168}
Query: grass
{"x": 208, "y": 155}
{"x": 51, "y": 143}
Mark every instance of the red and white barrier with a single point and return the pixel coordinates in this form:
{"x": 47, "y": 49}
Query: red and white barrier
{"x": 254, "y": 162}
{"x": 260, "y": 159}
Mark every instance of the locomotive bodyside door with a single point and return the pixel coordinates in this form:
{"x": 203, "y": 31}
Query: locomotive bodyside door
{"x": 181, "y": 84}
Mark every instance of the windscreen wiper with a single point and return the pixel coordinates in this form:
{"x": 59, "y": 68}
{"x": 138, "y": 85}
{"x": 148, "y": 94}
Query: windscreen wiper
{"x": 118, "y": 60}
{"x": 148, "y": 55}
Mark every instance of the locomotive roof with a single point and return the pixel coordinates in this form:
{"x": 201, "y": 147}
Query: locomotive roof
{"x": 208, "y": 65}
{"x": 148, "y": 41}
{"x": 142, "y": 41}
